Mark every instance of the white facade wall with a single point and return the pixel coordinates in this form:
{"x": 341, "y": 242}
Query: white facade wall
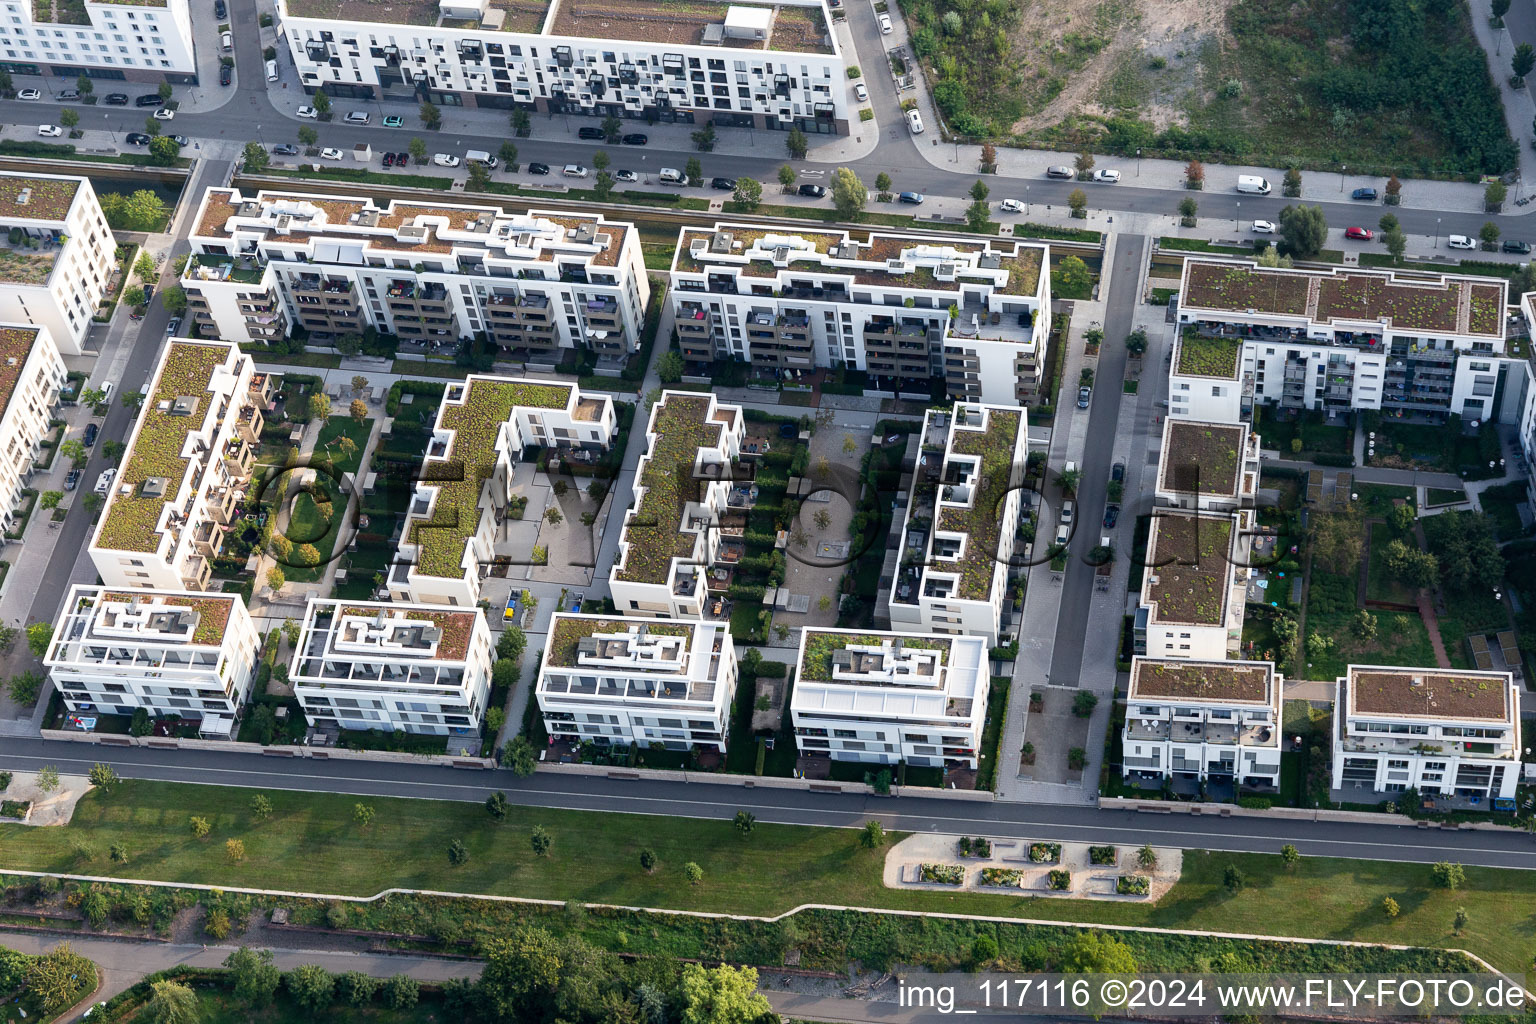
{"x": 111, "y": 655}
{"x": 82, "y": 269}
{"x": 1165, "y": 637}
{"x": 1196, "y": 737}
{"x": 133, "y": 42}
{"x": 39, "y": 374}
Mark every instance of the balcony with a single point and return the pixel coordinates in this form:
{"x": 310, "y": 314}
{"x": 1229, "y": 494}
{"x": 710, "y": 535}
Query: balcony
{"x": 239, "y": 458}
{"x": 196, "y": 572}
{"x": 208, "y": 539}
{"x": 249, "y": 423}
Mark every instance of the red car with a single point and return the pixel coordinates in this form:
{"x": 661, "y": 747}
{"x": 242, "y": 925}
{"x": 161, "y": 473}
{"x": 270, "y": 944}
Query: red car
{"x": 1360, "y": 234}
{"x": 389, "y": 160}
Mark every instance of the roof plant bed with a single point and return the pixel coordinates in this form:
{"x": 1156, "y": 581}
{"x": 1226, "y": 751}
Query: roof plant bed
{"x": 1425, "y": 307}
{"x": 1188, "y": 560}
{"x": 1023, "y": 272}
{"x": 1222, "y": 681}
{"x": 1200, "y": 356}
{"x": 15, "y": 344}
{"x": 471, "y": 458}
{"x": 652, "y": 530}
{"x": 1202, "y": 456}
{"x": 1486, "y": 310}
{"x": 26, "y": 267}
{"x": 130, "y": 521}
{"x": 213, "y": 613}
{"x": 819, "y": 648}
{"x": 1435, "y": 694}
{"x": 456, "y": 626}
{"x": 47, "y": 198}
{"x": 1239, "y": 288}
{"x": 568, "y": 633}
{"x": 995, "y": 445}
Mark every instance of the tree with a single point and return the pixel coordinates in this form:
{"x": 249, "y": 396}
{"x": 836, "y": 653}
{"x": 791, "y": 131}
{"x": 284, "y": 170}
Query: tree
{"x": 402, "y": 992}
{"x": 102, "y": 776}
{"x": 1073, "y": 276}
{"x": 54, "y": 978}
{"x": 74, "y": 450}
{"x": 418, "y": 150}
{"x": 356, "y": 988}
{"x": 1397, "y": 244}
{"x": 602, "y": 184}
{"x": 174, "y": 299}
{"x": 458, "y": 853}
{"x": 1094, "y": 952}
{"x": 1410, "y": 565}
{"x": 511, "y": 643}
{"x": 749, "y": 192}
{"x": 1194, "y": 175}
{"x": 1364, "y": 625}
{"x": 872, "y": 836}
{"x": 522, "y": 124}
{"x": 200, "y": 827}
{"x": 164, "y": 150}
{"x": 165, "y": 92}
{"x": 1289, "y": 854}
{"x": 521, "y": 973}
{"x": 1291, "y": 185}
{"x": 1523, "y": 59}
{"x": 822, "y": 519}
{"x": 39, "y": 636}
{"x": 882, "y": 182}
{"x": 362, "y": 814}
{"x": 1078, "y": 201}
{"x": 321, "y": 101}
{"x": 541, "y": 841}
{"x": 1460, "y": 922}
{"x": 669, "y": 368}
{"x": 152, "y": 127}
{"x": 431, "y": 117}
{"x": 311, "y": 986}
{"x": 848, "y": 194}
{"x": 554, "y": 516}
{"x": 1490, "y": 236}
{"x": 256, "y": 977}
{"x": 1336, "y": 539}
{"x": 704, "y": 138}
{"x": 26, "y": 688}
{"x": 308, "y": 136}
{"x": 787, "y": 177}
{"x": 1233, "y": 878}
{"x": 1304, "y": 229}
{"x": 720, "y": 995}
{"x": 648, "y": 860}
{"x": 1499, "y": 9}
{"x": 69, "y": 118}
{"x": 796, "y": 143}
{"x": 977, "y": 215}
{"x": 276, "y": 578}
{"x": 358, "y": 410}
{"x": 519, "y": 756}
{"x": 1389, "y": 906}
{"x": 693, "y": 873}
{"x": 1493, "y": 196}
{"x": 234, "y": 849}
{"x": 50, "y": 499}
{"x": 171, "y": 1002}
{"x": 1448, "y": 875}
{"x": 508, "y": 154}
{"x": 1187, "y": 210}
{"x": 980, "y": 191}
{"x": 84, "y": 86}
{"x": 134, "y": 296}
{"x": 261, "y": 807}
{"x": 613, "y": 129}
{"x": 479, "y": 177}
{"x": 745, "y": 822}
{"x": 319, "y": 406}
{"x": 1318, "y": 645}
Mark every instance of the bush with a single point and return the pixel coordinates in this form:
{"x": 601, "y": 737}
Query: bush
{"x": 1255, "y": 803}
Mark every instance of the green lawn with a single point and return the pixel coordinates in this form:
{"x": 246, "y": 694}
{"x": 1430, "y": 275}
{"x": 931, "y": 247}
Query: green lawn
{"x": 992, "y": 731}
{"x": 1498, "y": 505}
{"x": 1376, "y": 499}
{"x": 1401, "y": 638}
{"x": 311, "y": 841}
{"x": 1379, "y": 584}
{"x": 327, "y": 446}
{"x": 1445, "y": 496}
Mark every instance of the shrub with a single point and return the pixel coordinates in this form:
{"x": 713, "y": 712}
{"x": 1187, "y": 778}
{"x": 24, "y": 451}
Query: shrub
{"x": 1059, "y": 880}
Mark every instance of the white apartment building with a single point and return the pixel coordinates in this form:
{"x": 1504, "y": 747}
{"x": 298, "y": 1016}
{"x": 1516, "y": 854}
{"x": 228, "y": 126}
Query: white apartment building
{"x": 169, "y": 652}
{"x": 1206, "y": 720}
{"x": 1208, "y": 467}
{"x": 671, "y": 536}
{"x": 1340, "y": 339}
{"x": 625, "y": 682}
{"x": 889, "y": 697}
{"x": 457, "y": 516}
{"x": 961, "y": 526}
{"x": 392, "y": 667}
{"x": 904, "y": 308}
{"x": 1194, "y": 585}
{"x": 143, "y": 41}
{"x": 31, "y": 374}
{"x": 1440, "y": 731}
{"x": 537, "y": 284}
{"x": 56, "y": 255}
{"x": 188, "y": 459}
{"x": 771, "y": 65}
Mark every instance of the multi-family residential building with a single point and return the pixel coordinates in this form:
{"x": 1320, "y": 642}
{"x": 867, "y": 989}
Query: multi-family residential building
{"x": 31, "y": 374}
{"x": 673, "y": 534}
{"x": 889, "y": 697}
{"x": 108, "y": 40}
{"x": 774, "y": 65}
{"x": 950, "y": 570}
{"x": 1440, "y": 731}
{"x": 188, "y": 460}
{"x": 1194, "y": 585}
{"x": 457, "y": 517}
{"x": 394, "y": 667}
{"x": 1209, "y": 467}
{"x": 169, "y": 652}
{"x": 626, "y": 682}
{"x": 536, "y": 284}
{"x": 1340, "y": 339}
{"x": 56, "y": 254}
{"x": 1216, "y": 721}
{"x": 904, "y": 308}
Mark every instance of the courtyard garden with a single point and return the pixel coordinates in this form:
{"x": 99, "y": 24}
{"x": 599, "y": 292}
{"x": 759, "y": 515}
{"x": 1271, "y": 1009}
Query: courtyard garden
{"x": 1306, "y": 435}
{"x": 1451, "y": 447}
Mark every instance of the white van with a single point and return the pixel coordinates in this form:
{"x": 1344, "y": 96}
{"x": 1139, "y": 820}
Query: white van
{"x": 271, "y": 70}
{"x": 358, "y": 117}
{"x": 480, "y": 156}
{"x": 672, "y": 176}
{"x": 1253, "y": 184}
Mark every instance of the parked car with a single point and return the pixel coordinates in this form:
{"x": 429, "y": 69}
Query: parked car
{"x": 394, "y": 121}
{"x": 1084, "y": 394}
{"x": 1108, "y": 176}
{"x": 635, "y": 139}
{"x": 813, "y": 191}
{"x": 226, "y": 42}
{"x": 1359, "y": 234}
{"x": 1117, "y": 473}
{"x": 589, "y": 132}
{"x": 1060, "y": 172}
{"x": 181, "y": 140}
{"x": 1010, "y": 206}
{"x": 49, "y": 131}
{"x": 912, "y": 198}
{"x": 1111, "y": 516}
{"x": 164, "y": 114}
{"x": 285, "y": 149}
{"x": 72, "y": 480}
{"x": 1365, "y": 195}
{"x": 1461, "y": 241}
{"x": 861, "y": 92}
{"x": 149, "y": 99}
{"x": 117, "y": 99}
{"x": 30, "y": 94}
{"x": 628, "y": 176}
{"x": 402, "y": 158}
{"x": 1067, "y": 508}
{"x": 885, "y": 24}
{"x": 574, "y": 171}
{"x": 309, "y": 113}
{"x": 915, "y": 121}
{"x": 723, "y": 184}
{"x": 445, "y": 160}
{"x": 91, "y": 430}
{"x": 358, "y": 117}
{"x": 137, "y": 139}
{"x": 172, "y": 327}
{"x": 220, "y": 9}
{"x": 331, "y": 154}
{"x": 538, "y": 168}
{"x": 389, "y": 160}
{"x": 1264, "y": 227}
{"x": 104, "y": 482}
{"x": 1514, "y": 245}
{"x": 226, "y": 73}
{"x": 67, "y": 95}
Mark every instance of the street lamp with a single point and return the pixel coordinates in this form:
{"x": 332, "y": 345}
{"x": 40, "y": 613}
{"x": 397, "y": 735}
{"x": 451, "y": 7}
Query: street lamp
{"x": 1138, "y": 161}
{"x": 1237, "y": 220}
{"x": 1437, "y": 233}
{"x": 1026, "y": 200}
{"x": 1343, "y": 170}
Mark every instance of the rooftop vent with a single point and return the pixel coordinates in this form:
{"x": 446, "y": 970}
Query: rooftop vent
{"x": 153, "y": 487}
{"x": 24, "y": 197}
{"x": 720, "y": 241}
{"x": 366, "y": 218}
{"x": 184, "y": 405}
{"x": 586, "y": 231}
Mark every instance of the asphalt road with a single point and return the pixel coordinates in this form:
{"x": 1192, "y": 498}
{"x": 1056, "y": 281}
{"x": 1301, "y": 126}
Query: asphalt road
{"x": 1371, "y": 841}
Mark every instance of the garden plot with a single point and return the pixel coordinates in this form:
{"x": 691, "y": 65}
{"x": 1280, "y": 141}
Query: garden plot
{"x": 1030, "y": 867}
{"x": 55, "y": 807}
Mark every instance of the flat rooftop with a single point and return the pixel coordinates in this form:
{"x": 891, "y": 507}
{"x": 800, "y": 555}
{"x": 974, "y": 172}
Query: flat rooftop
{"x": 36, "y": 197}
{"x": 213, "y": 611}
{"x": 501, "y": 15}
{"x": 1440, "y": 305}
{"x": 1212, "y": 682}
{"x": 821, "y": 645}
{"x": 1203, "y": 457}
{"x": 1430, "y": 693}
{"x": 994, "y": 444}
{"x": 570, "y": 630}
{"x": 684, "y": 22}
{"x": 455, "y": 628}
{"x": 1200, "y": 356}
{"x": 15, "y": 345}
{"x": 1188, "y": 568}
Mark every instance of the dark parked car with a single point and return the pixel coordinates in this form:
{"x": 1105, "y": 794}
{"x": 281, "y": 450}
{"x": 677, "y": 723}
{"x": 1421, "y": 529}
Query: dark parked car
{"x": 149, "y": 99}
{"x": 1366, "y": 194}
{"x": 91, "y": 430}
{"x": 1060, "y": 172}
{"x": 723, "y": 184}
{"x": 220, "y": 9}
{"x": 635, "y": 139}
{"x": 1117, "y": 472}
{"x": 814, "y": 191}
{"x": 137, "y": 139}
{"x": 116, "y": 99}
{"x": 1514, "y": 245}
{"x": 226, "y": 74}
{"x": 72, "y": 480}
{"x": 590, "y": 133}
{"x": 389, "y": 160}
{"x": 402, "y": 158}
{"x": 67, "y": 95}
{"x": 1083, "y": 395}
{"x": 914, "y": 198}
{"x": 538, "y": 168}
{"x": 1111, "y": 516}
{"x": 285, "y": 149}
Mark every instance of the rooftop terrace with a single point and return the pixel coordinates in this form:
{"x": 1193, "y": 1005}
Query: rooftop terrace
{"x": 683, "y": 22}
{"x": 213, "y": 612}
{"x": 456, "y": 627}
{"x": 980, "y": 521}
{"x": 503, "y": 15}
{"x": 1429, "y": 693}
{"x": 821, "y": 645}
{"x": 1201, "y": 356}
{"x": 1216, "y": 682}
{"x": 570, "y": 631}
{"x": 1188, "y": 568}
{"x": 15, "y": 345}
